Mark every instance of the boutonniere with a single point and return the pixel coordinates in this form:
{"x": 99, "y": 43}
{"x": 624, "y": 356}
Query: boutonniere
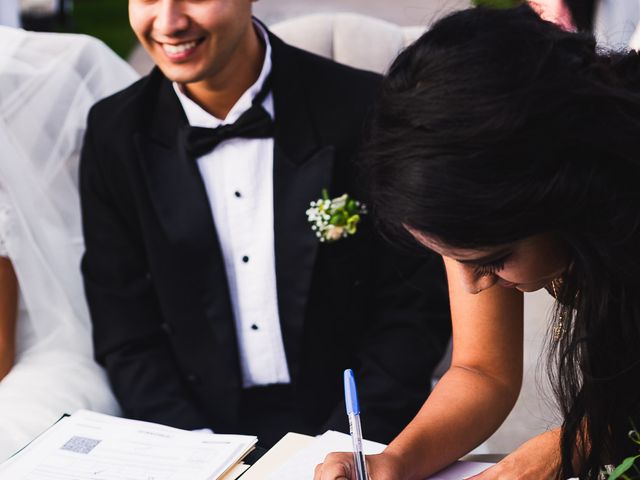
{"x": 333, "y": 219}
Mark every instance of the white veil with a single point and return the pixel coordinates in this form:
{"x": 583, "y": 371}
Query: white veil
{"x": 48, "y": 82}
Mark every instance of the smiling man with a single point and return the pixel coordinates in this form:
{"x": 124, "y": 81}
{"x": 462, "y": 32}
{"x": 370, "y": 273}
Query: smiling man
{"x": 214, "y": 304}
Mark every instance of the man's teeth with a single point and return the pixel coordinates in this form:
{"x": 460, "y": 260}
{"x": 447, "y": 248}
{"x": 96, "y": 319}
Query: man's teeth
{"x": 176, "y": 49}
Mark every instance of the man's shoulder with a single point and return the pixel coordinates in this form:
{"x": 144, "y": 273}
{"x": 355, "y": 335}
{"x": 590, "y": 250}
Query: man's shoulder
{"x": 123, "y": 109}
{"x": 328, "y": 75}
{"x": 317, "y": 63}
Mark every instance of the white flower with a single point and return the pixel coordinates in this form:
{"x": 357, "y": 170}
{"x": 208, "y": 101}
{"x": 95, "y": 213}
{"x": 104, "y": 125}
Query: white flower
{"x": 333, "y": 233}
{"x": 334, "y": 219}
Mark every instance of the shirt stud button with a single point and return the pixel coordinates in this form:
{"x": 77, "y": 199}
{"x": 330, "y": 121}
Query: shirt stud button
{"x": 237, "y": 194}
{"x": 254, "y": 327}
{"x": 245, "y": 259}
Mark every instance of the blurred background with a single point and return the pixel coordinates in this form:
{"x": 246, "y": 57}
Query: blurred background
{"x": 104, "y": 19}
{"x": 107, "y": 19}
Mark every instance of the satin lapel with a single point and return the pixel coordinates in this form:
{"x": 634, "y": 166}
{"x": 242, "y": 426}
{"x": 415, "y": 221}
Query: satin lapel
{"x": 181, "y": 204}
{"x": 173, "y": 180}
{"x": 302, "y": 168}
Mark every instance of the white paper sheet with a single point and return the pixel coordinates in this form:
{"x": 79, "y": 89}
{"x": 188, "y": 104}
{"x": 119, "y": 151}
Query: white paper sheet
{"x": 302, "y": 465}
{"x": 93, "y": 446}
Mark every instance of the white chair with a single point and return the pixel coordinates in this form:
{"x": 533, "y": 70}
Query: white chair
{"x": 356, "y": 40}
{"x": 372, "y": 44}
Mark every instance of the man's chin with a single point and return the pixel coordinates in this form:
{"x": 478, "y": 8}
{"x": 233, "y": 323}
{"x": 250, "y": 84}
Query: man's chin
{"x": 179, "y": 75}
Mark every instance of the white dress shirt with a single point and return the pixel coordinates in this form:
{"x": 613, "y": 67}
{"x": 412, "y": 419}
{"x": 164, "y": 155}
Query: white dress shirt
{"x": 238, "y": 177}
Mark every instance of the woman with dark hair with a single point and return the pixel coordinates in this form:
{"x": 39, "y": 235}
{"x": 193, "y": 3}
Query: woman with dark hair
{"x": 511, "y": 147}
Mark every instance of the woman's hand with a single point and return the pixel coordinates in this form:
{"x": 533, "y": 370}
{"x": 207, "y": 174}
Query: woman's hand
{"x": 469, "y": 402}
{"x": 536, "y": 459}
{"x": 339, "y": 466}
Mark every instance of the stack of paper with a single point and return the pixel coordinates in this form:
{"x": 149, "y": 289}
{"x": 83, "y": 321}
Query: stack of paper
{"x": 300, "y": 465}
{"x": 90, "y": 445}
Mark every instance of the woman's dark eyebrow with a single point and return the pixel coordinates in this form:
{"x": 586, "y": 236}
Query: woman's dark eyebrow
{"x": 486, "y": 259}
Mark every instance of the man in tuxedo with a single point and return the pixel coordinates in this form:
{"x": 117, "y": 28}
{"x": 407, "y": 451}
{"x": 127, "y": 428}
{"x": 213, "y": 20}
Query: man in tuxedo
{"x": 214, "y": 305}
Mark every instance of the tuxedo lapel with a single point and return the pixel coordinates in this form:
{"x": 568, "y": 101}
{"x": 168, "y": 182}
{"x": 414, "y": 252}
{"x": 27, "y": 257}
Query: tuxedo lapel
{"x": 173, "y": 180}
{"x": 180, "y": 201}
{"x": 302, "y": 168}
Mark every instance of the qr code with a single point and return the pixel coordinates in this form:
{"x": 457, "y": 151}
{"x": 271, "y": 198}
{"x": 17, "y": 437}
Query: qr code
{"x": 80, "y": 445}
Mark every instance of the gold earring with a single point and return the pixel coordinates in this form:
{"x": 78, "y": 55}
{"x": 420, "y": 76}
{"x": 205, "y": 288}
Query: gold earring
{"x": 558, "y": 328}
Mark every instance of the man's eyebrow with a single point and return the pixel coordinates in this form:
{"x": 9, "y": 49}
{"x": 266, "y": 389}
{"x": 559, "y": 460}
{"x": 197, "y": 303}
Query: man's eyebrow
{"x": 486, "y": 259}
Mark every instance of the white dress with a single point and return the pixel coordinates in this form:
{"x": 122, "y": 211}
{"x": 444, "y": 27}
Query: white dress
{"x": 47, "y": 84}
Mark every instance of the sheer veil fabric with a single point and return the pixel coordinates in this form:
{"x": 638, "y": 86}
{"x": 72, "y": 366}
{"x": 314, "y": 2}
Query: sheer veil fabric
{"x": 48, "y": 82}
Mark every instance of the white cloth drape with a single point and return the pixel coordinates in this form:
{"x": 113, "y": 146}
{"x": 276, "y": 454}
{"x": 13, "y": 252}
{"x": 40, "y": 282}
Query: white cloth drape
{"x": 48, "y": 82}
{"x": 616, "y": 23}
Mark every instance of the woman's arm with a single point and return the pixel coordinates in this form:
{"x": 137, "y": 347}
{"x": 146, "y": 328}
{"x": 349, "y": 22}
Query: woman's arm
{"x": 536, "y": 459}
{"x": 470, "y": 401}
{"x": 8, "y": 313}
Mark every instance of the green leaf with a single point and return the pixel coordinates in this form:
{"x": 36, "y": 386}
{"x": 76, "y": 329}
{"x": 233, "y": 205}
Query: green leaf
{"x": 352, "y": 224}
{"x": 619, "y": 471}
{"x": 497, "y": 3}
{"x": 338, "y": 219}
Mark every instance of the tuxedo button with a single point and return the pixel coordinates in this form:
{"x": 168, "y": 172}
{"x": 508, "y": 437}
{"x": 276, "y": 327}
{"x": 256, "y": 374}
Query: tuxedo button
{"x": 193, "y": 379}
{"x": 167, "y": 328}
{"x": 245, "y": 259}
{"x": 357, "y": 283}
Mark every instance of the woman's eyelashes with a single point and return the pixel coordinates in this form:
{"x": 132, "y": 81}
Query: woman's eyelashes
{"x": 489, "y": 268}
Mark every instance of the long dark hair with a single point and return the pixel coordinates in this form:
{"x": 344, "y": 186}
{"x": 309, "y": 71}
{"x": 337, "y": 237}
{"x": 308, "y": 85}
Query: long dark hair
{"x": 496, "y": 125}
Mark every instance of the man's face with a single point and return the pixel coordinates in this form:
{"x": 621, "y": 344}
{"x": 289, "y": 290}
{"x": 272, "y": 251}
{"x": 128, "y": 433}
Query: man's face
{"x": 191, "y": 40}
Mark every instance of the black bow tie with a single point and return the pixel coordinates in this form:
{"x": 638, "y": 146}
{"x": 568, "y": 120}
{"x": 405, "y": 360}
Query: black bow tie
{"x": 254, "y": 123}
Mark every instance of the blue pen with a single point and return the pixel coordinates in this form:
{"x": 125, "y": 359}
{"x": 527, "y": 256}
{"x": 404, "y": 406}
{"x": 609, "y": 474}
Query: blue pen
{"x": 353, "y": 412}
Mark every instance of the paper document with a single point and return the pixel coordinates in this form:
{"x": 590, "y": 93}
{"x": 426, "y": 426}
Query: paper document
{"x": 280, "y": 453}
{"x": 94, "y": 446}
{"x": 302, "y": 464}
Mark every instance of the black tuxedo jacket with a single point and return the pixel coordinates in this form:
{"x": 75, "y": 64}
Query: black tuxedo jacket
{"x": 155, "y": 278}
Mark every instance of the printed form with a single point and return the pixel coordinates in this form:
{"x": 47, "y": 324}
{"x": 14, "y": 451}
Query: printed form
{"x": 94, "y": 446}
